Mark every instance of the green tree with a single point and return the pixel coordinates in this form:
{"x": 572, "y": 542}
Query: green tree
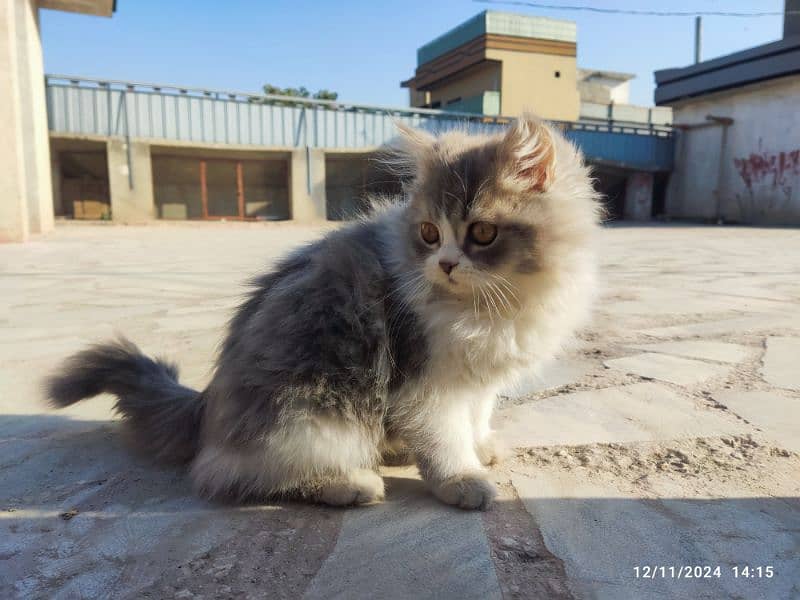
{"x": 301, "y": 92}
{"x": 326, "y": 95}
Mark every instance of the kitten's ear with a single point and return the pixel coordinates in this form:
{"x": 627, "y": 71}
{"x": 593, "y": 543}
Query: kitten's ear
{"x": 413, "y": 136}
{"x": 408, "y": 151}
{"x": 527, "y": 153}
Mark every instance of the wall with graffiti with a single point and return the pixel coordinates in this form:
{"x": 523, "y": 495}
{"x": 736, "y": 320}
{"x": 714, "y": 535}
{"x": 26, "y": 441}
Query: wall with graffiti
{"x": 748, "y": 171}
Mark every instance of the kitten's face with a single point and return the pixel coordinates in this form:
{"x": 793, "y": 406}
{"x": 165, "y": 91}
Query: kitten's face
{"x": 460, "y": 234}
{"x": 490, "y": 215}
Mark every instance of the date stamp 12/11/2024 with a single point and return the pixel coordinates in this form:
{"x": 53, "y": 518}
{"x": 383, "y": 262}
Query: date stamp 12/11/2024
{"x": 703, "y": 572}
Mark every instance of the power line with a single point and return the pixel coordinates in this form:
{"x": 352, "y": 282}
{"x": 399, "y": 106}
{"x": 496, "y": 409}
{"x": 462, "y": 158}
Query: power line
{"x": 647, "y": 13}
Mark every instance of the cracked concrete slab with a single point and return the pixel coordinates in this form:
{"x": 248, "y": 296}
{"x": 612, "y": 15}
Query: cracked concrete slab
{"x": 781, "y": 365}
{"x": 411, "y": 546}
{"x": 557, "y": 373}
{"x": 704, "y": 350}
{"x": 612, "y": 511}
{"x": 720, "y": 326}
{"x": 638, "y": 412}
{"x": 672, "y": 369}
{"x": 777, "y": 415}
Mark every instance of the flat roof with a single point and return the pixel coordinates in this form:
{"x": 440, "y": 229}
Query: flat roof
{"x": 762, "y": 63}
{"x": 587, "y": 73}
{"x": 99, "y": 8}
{"x": 502, "y": 23}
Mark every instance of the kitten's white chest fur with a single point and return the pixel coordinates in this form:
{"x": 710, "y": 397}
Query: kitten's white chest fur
{"x": 487, "y": 352}
{"x": 473, "y": 353}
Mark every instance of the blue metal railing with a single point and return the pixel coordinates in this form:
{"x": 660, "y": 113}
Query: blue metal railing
{"x": 110, "y": 108}
{"x": 93, "y": 107}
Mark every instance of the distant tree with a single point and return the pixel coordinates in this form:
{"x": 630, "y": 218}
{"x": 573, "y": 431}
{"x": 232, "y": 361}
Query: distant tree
{"x": 301, "y": 92}
{"x": 326, "y": 95}
{"x": 272, "y": 90}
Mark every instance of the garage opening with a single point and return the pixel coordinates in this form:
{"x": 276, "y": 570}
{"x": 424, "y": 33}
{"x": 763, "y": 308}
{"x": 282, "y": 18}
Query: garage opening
{"x": 221, "y": 188}
{"x": 350, "y": 181}
{"x": 80, "y": 179}
{"x": 611, "y": 184}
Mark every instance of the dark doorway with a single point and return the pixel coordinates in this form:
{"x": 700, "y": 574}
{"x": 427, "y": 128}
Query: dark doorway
{"x": 84, "y": 185}
{"x": 660, "y": 181}
{"x": 351, "y": 181}
{"x": 612, "y": 185}
{"x": 219, "y": 188}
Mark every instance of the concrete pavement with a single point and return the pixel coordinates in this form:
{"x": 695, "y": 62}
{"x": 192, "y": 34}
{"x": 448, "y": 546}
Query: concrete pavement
{"x": 667, "y": 436}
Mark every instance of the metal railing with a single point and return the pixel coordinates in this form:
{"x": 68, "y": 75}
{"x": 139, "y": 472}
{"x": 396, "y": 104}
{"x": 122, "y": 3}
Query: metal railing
{"x": 104, "y": 107}
{"x": 651, "y": 117}
{"x": 111, "y": 108}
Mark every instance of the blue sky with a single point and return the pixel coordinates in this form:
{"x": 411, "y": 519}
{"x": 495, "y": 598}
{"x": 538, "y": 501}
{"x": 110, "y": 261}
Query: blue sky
{"x": 361, "y": 49}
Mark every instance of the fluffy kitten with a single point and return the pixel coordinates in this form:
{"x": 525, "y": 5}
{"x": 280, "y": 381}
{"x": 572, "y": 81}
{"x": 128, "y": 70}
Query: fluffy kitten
{"x": 388, "y": 336}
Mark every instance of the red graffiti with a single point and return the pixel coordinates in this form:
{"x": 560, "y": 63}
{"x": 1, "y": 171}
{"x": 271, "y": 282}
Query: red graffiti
{"x": 759, "y": 168}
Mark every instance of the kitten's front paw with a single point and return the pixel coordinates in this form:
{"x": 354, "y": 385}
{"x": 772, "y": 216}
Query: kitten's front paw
{"x": 490, "y": 452}
{"x": 466, "y": 490}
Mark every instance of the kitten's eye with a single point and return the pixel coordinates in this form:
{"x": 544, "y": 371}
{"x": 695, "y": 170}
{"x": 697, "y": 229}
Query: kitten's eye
{"x": 483, "y": 233}
{"x": 429, "y": 233}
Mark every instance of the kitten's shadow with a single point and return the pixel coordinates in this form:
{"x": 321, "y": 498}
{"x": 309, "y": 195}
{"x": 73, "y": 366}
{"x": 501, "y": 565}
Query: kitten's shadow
{"x": 403, "y": 485}
{"x": 81, "y": 457}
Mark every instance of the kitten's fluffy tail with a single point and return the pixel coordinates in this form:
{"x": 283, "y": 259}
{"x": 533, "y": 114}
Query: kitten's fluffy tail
{"x": 164, "y": 416}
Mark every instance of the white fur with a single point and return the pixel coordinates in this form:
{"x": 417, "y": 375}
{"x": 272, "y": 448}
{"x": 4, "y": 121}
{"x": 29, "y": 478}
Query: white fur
{"x": 480, "y": 338}
{"x": 303, "y": 455}
{"x": 479, "y": 344}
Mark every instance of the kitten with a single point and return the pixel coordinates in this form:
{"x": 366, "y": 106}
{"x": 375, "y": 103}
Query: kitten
{"x": 389, "y": 336}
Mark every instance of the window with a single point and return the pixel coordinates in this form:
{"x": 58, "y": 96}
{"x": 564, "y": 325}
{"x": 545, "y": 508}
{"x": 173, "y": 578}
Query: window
{"x": 454, "y": 100}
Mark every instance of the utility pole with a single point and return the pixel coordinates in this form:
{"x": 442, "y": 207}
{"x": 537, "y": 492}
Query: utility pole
{"x": 698, "y": 38}
{"x": 791, "y": 18}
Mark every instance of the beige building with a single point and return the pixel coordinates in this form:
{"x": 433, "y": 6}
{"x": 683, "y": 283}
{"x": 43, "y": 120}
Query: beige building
{"x": 500, "y": 64}
{"x": 604, "y": 87}
{"x": 26, "y": 197}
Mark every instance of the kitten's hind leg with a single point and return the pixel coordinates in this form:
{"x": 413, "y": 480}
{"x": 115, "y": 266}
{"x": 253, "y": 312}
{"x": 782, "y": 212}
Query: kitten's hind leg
{"x": 396, "y": 453}
{"x": 358, "y": 487}
{"x": 317, "y": 458}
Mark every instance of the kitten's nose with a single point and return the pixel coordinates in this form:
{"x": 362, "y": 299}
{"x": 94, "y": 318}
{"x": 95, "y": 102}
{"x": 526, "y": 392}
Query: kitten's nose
{"x": 447, "y": 265}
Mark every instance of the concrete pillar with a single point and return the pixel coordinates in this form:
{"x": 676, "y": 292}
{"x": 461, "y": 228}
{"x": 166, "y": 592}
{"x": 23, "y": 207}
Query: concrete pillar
{"x": 13, "y": 208}
{"x": 36, "y": 143}
{"x": 639, "y": 197}
{"x": 130, "y": 205}
{"x": 307, "y": 185}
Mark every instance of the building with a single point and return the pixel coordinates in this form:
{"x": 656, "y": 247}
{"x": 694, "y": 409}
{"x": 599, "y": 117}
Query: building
{"x": 137, "y": 152}
{"x": 737, "y": 153}
{"x": 26, "y": 200}
{"x": 604, "y": 87}
{"x": 490, "y": 63}
{"x": 499, "y": 63}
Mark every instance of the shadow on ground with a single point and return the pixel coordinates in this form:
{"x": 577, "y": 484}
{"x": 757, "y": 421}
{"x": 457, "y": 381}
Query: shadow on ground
{"x": 82, "y": 517}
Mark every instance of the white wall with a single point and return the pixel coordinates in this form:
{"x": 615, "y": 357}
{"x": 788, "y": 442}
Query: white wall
{"x": 26, "y": 199}
{"x": 13, "y": 196}
{"x": 604, "y": 90}
{"x": 756, "y": 178}
{"x": 34, "y": 117}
